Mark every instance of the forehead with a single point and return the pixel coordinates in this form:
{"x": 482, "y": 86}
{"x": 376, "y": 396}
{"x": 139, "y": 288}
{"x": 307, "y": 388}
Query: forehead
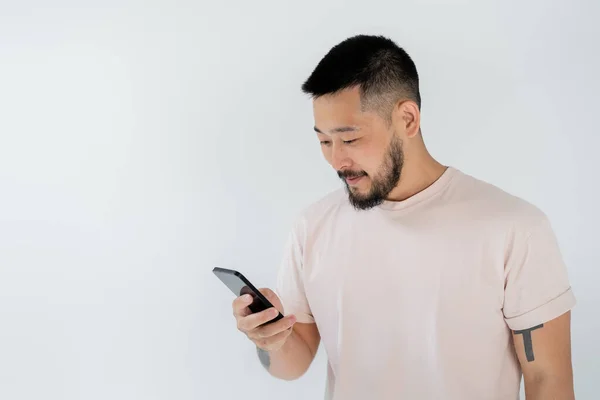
{"x": 340, "y": 109}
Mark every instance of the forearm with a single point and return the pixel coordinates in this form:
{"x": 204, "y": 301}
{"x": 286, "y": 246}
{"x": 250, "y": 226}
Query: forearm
{"x": 290, "y": 361}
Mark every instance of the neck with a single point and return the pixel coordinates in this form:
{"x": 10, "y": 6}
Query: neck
{"x": 418, "y": 173}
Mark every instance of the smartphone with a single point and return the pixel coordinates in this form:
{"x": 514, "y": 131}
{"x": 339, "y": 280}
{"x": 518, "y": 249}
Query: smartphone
{"x": 240, "y": 285}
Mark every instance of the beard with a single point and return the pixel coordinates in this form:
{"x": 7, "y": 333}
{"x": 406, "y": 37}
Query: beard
{"x": 382, "y": 182}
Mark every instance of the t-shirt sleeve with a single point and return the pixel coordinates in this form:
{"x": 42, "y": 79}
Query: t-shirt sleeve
{"x": 537, "y": 285}
{"x": 290, "y": 282}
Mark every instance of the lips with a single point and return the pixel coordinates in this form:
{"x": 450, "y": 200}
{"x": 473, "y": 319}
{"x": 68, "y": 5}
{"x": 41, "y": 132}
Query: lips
{"x": 351, "y": 177}
{"x": 353, "y": 180}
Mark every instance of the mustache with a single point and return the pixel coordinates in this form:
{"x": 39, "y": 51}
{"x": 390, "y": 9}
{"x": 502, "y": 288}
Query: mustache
{"x": 351, "y": 174}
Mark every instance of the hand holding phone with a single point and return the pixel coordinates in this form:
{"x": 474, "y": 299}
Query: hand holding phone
{"x": 258, "y": 313}
{"x": 259, "y": 327}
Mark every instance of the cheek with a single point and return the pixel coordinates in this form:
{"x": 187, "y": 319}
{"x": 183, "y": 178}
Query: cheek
{"x": 364, "y": 160}
{"x": 374, "y": 158}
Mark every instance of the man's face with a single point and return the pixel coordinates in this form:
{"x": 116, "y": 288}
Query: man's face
{"x": 360, "y": 146}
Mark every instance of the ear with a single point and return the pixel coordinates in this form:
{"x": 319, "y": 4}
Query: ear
{"x": 407, "y": 117}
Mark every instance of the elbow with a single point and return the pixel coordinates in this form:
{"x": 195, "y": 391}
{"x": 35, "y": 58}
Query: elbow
{"x": 288, "y": 378}
{"x": 291, "y": 375}
{"x": 542, "y": 385}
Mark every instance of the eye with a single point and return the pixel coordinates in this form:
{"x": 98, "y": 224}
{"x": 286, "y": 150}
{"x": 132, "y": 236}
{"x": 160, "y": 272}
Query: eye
{"x": 325, "y": 142}
{"x": 350, "y": 141}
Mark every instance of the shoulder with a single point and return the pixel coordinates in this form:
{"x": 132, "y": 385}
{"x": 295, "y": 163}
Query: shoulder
{"x": 321, "y": 211}
{"x": 328, "y": 203}
{"x": 486, "y": 200}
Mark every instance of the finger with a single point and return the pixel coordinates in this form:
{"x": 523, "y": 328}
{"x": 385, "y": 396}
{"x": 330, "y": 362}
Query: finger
{"x": 268, "y": 293}
{"x": 244, "y": 312}
{"x": 253, "y": 320}
{"x": 272, "y": 297}
{"x": 273, "y": 342}
{"x": 240, "y": 305}
{"x": 274, "y": 328}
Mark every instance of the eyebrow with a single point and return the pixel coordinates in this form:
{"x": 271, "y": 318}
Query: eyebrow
{"x": 340, "y": 129}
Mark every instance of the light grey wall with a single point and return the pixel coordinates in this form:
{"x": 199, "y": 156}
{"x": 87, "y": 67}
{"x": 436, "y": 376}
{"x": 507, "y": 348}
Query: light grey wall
{"x": 142, "y": 144}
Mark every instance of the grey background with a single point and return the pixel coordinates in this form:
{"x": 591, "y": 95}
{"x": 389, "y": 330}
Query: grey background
{"x": 143, "y": 143}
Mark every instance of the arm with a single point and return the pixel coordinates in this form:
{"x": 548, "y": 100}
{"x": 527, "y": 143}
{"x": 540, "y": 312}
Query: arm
{"x": 292, "y": 360}
{"x": 544, "y": 352}
{"x": 537, "y": 303}
{"x": 285, "y": 348}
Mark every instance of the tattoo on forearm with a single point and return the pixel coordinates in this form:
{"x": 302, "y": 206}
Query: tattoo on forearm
{"x": 264, "y": 358}
{"x": 527, "y": 341}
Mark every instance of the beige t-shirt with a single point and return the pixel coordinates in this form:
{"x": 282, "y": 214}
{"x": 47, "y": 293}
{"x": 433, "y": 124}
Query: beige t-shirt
{"x": 416, "y": 299}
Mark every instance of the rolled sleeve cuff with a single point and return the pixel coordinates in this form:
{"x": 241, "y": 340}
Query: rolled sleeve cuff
{"x": 544, "y": 313}
{"x": 298, "y": 309}
{"x": 303, "y": 318}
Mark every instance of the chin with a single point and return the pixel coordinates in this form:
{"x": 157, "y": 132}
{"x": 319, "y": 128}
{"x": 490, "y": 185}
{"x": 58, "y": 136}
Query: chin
{"x": 359, "y": 191}
{"x": 362, "y": 188}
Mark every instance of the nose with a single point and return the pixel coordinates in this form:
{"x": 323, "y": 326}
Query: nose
{"x": 339, "y": 157}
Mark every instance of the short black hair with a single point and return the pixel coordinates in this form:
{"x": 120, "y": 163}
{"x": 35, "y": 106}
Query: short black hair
{"x": 384, "y": 72}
